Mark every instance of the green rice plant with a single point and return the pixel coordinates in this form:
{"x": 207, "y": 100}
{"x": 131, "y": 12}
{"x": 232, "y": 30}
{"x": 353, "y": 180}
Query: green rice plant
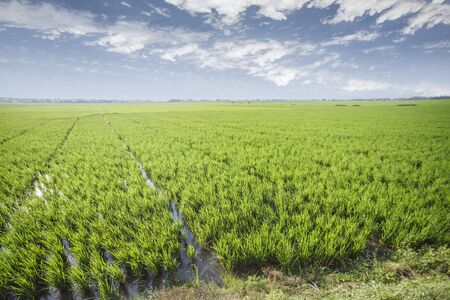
{"x": 350, "y": 188}
{"x": 55, "y": 271}
{"x": 285, "y": 254}
{"x": 24, "y": 273}
{"x": 79, "y": 277}
{"x": 295, "y": 186}
{"x": 102, "y": 277}
{"x": 196, "y": 279}
{"x": 190, "y": 250}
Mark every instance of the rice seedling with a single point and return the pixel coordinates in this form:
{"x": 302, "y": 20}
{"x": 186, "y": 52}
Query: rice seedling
{"x": 270, "y": 185}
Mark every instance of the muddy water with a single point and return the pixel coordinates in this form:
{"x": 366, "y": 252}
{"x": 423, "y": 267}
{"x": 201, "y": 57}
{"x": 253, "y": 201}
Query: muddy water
{"x": 203, "y": 266}
{"x": 53, "y": 293}
{"x": 131, "y": 287}
{"x": 185, "y": 271}
{"x": 205, "y": 262}
{"x": 68, "y": 253}
{"x": 76, "y": 294}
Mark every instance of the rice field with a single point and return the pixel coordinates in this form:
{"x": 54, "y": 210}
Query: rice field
{"x": 106, "y": 201}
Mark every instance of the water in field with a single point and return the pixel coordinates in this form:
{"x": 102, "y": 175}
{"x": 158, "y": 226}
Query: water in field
{"x": 38, "y": 190}
{"x": 205, "y": 262}
{"x": 39, "y": 186}
{"x": 279, "y": 180}
{"x": 130, "y": 288}
{"x": 71, "y": 259}
{"x": 185, "y": 271}
{"x": 205, "y": 265}
{"x": 209, "y": 269}
{"x": 141, "y": 167}
{"x": 55, "y": 294}
{"x": 147, "y": 179}
{"x": 200, "y": 265}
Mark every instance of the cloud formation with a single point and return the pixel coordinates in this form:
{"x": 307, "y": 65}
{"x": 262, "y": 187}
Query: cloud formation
{"x": 420, "y": 13}
{"x": 47, "y": 19}
{"x": 265, "y": 59}
{"x": 256, "y": 58}
{"x": 430, "y": 90}
{"x": 159, "y": 10}
{"x": 230, "y": 11}
{"x": 279, "y": 58}
{"x": 269, "y": 59}
{"x": 432, "y": 14}
{"x": 124, "y": 37}
{"x": 379, "y": 49}
{"x": 128, "y": 37}
{"x": 124, "y": 3}
{"x": 434, "y": 46}
{"x": 425, "y": 89}
{"x": 361, "y": 36}
{"x": 358, "y": 85}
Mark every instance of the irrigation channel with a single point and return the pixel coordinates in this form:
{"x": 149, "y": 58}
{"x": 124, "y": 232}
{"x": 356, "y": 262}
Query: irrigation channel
{"x": 205, "y": 267}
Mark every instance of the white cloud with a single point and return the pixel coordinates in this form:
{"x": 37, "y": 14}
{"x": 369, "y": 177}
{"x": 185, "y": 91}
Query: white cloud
{"x": 332, "y": 58}
{"x": 434, "y": 46}
{"x": 429, "y": 16}
{"x": 47, "y": 19}
{"x": 128, "y": 37}
{"x": 122, "y": 37}
{"x": 277, "y": 61}
{"x": 230, "y": 11}
{"x": 280, "y": 75}
{"x": 400, "y": 9}
{"x": 349, "y": 10}
{"x": 399, "y": 40}
{"x": 357, "y": 85}
{"x": 270, "y": 59}
{"x": 160, "y": 10}
{"x": 257, "y": 58}
{"x": 124, "y": 3}
{"x": 379, "y": 49}
{"x": 347, "y": 39}
{"x": 308, "y": 48}
{"x": 86, "y": 70}
{"x": 420, "y": 13}
{"x": 431, "y": 90}
{"x": 173, "y": 53}
{"x": 422, "y": 89}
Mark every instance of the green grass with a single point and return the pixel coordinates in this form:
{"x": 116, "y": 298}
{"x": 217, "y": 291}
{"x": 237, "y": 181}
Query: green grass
{"x": 306, "y": 189}
{"x": 408, "y": 274}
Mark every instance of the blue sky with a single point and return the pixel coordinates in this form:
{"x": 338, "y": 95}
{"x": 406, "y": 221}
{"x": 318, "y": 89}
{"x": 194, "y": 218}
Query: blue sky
{"x": 223, "y": 49}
